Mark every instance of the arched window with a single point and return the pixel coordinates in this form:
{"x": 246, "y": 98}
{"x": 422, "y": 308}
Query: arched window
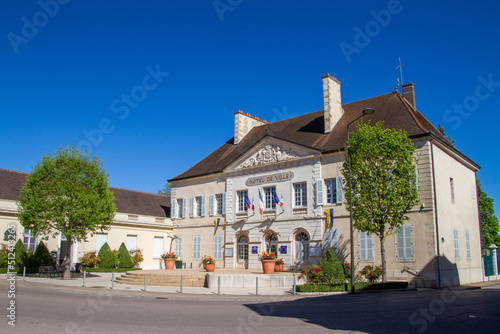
{"x": 243, "y": 248}
{"x": 301, "y": 247}
{"x": 271, "y": 243}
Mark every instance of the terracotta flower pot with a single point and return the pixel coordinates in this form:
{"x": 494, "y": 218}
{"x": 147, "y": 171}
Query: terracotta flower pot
{"x": 204, "y": 266}
{"x": 210, "y": 267}
{"x": 278, "y": 268}
{"x": 169, "y": 263}
{"x": 268, "y": 266}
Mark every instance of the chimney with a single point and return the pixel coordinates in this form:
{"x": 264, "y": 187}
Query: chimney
{"x": 243, "y": 123}
{"x": 332, "y": 103}
{"x": 409, "y": 93}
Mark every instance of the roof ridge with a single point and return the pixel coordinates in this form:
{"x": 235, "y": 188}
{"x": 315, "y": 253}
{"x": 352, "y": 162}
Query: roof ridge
{"x": 138, "y": 191}
{"x": 13, "y": 171}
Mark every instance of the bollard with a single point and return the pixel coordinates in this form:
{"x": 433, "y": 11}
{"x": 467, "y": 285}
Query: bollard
{"x": 112, "y": 280}
{"x": 257, "y": 285}
{"x": 294, "y": 285}
{"x": 218, "y": 285}
{"x": 146, "y": 282}
{"x": 84, "y": 275}
{"x": 182, "y": 281}
{"x": 24, "y": 272}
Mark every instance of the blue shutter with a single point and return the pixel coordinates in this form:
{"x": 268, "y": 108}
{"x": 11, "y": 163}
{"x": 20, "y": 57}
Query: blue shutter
{"x": 191, "y": 207}
{"x": 212, "y": 202}
{"x": 172, "y": 209}
{"x": 320, "y": 192}
{"x": 203, "y": 206}
{"x": 340, "y": 192}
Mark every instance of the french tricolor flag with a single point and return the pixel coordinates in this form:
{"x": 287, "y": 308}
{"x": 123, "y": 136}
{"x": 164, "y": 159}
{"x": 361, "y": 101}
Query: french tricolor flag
{"x": 277, "y": 199}
{"x": 247, "y": 202}
{"x": 261, "y": 203}
{"x": 281, "y": 200}
{"x": 253, "y": 205}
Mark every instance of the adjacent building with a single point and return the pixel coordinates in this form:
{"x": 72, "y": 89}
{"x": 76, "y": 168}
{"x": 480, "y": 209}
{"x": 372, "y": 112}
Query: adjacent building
{"x": 269, "y": 189}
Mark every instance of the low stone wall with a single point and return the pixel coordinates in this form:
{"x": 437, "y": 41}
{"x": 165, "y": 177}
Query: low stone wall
{"x": 247, "y": 281}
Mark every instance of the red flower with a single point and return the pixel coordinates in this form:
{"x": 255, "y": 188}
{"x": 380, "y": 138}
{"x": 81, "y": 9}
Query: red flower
{"x": 319, "y": 269}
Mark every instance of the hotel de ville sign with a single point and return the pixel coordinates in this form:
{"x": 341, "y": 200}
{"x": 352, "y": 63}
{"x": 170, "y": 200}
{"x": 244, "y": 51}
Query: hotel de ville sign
{"x": 272, "y": 178}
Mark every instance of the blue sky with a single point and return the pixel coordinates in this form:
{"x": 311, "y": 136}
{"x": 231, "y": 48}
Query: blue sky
{"x": 155, "y": 84}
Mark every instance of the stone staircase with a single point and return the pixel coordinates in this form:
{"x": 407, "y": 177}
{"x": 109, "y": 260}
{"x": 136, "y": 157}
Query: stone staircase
{"x": 137, "y": 278}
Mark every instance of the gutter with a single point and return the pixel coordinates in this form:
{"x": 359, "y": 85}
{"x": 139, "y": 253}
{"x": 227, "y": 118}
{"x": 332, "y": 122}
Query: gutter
{"x": 436, "y": 214}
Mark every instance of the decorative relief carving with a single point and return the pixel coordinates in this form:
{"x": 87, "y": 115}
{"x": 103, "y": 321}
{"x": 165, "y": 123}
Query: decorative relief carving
{"x": 268, "y": 155}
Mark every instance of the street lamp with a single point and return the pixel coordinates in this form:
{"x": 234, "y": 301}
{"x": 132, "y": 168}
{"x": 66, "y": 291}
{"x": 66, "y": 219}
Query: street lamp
{"x": 367, "y": 111}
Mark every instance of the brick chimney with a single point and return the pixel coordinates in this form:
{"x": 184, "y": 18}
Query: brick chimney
{"x": 243, "y": 123}
{"x": 332, "y": 102}
{"x": 409, "y": 93}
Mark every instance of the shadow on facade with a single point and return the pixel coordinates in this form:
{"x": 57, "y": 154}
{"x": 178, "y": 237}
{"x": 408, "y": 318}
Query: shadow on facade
{"x": 428, "y": 277}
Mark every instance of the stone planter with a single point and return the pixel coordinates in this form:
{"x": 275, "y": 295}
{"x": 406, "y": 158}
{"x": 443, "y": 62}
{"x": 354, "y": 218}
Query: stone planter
{"x": 268, "y": 266}
{"x": 169, "y": 263}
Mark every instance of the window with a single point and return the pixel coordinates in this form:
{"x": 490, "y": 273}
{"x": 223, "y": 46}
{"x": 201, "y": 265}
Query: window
{"x": 158, "y": 247}
{"x": 218, "y": 204}
{"x": 404, "y": 242}
{"x": 455, "y": 242}
{"x": 29, "y": 240}
{"x": 241, "y": 195}
{"x": 217, "y": 247}
{"x": 365, "y": 246}
{"x": 332, "y": 240}
{"x": 197, "y": 206}
{"x": 243, "y": 248}
{"x": 197, "y": 247}
{"x": 100, "y": 239}
{"x": 271, "y": 243}
{"x": 301, "y": 247}
{"x": 452, "y": 189}
{"x": 334, "y": 194}
{"x": 467, "y": 244}
{"x": 178, "y": 246}
{"x": 181, "y": 208}
{"x": 131, "y": 242}
{"x": 269, "y": 192}
{"x": 300, "y": 194}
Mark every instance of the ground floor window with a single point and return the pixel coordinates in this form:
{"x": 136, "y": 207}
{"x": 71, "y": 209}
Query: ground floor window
{"x": 301, "y": 247}
{"x": 178, "y": 246}
{"x": 332, "y": 240}
{"x": 131, "y": 242}
{"x": 404, "y": 242}
{"x": 217, "y": 247}
{"x": 29, "y": 240}
{"x": 197, "y": 247}
{"x": 365, "y": 246}
{"x": 100, "y": 240}
{"x": 271, "y": 243}
{"x": 158, "y": 247}
{"x": 243, "y": 248}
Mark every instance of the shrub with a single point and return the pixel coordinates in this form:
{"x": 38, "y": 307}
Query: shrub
{"x": 89, "y": 259}
{"x": 106, "y": 256}
{"x": 313, "y": 274}
{"x": 347, "y": 270}
{"x": 42, "y": 256}
{"x": 333, "y": 272}
{"x": 4, "y": 255}
{"x": 20, "y": 251}
{"x": 137, "y": 257}
{"x": 124, "y": 257}
{"x": 372, "y": 273}
{"x": 319, "y": 288}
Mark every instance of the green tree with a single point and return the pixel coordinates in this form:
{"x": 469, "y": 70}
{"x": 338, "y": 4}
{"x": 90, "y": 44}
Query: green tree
{"x": 166, "y": 189}
{"x": 67, "y": 193}
{"x": 124, "y": 257}
{"x": 106, "y": 257}
{"x": 383, "y": 181}
{"x": 331, "y": 267}
{"x": 42, "y": 256}
{"x": 489, "y": 222}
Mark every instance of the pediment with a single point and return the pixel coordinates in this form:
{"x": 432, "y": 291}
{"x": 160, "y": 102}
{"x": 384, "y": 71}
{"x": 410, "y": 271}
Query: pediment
{"x": 272, "y": 152}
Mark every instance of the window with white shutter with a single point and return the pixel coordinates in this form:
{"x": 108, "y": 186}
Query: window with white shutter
{"x": 332, "y": 240}
{"x": 467, "y": 244}
{"x": 319, "y": 192}
{"x": 158, "y": 247}
{"x": 202, "y": 212}
{"x": 184, "y": 207}
{"x": 365, "y": 246}
{"x": 404, "y": 241}
{"x": 217, "y": 247}
{"x": 455, "y": 242}
{"x": 178, "y": 246}
{"x": 197, "y": 247}
{"x": 131, "y": 242}
{"x": 100, "y": 239}
{"x": 212, "y": 205}
{"x": 192, "y": 212}
{"x": 173, "y": 209}
{"x": 340, "y": 193}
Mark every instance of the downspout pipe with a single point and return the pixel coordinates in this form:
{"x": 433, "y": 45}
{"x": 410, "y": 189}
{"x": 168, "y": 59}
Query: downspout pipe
{"x": 436, "y": 215}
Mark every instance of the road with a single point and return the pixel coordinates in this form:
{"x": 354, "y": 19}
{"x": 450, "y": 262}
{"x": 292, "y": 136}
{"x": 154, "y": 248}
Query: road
{"x": 43, "y": 310}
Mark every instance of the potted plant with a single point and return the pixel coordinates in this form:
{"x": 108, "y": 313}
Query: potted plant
{"x": 268, "y": 262}
{"x": 208, "y": 263}
{"x": 169, "y": 259}
{"x": 278, "y": 266}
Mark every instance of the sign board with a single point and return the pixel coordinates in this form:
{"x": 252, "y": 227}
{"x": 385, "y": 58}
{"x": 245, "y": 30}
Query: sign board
{"x": 273, "y": 178}
{"x": 255, "y": 249}
{"x": 315, "y": 251}
{"x": 283, "y": 249}
{"x": 228, "y": 252}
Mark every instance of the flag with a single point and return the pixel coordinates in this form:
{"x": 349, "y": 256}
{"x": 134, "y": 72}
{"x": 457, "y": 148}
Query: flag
{"x": 247, "y": 202}
{"x": 329, "y": 218}
{"x": 253, "y": 205}
{"x": 261, "y": 203}
{"x": 216, "y": 223}
{"x": 281, "y": 201}
{"x": 276, "y": 198}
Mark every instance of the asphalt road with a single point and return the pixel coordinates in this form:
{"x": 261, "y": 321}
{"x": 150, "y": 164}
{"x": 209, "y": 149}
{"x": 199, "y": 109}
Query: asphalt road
{"x": 43, "y": 310}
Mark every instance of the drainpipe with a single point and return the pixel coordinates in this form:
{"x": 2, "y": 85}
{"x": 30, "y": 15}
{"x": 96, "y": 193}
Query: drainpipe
{"x": 436, "y": 214}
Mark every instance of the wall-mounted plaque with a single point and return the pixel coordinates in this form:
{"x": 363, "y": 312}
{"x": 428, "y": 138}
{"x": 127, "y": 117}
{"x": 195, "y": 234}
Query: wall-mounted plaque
{"x": 315, "y": 251}
{"x": 273, "y": 178}
{"x": 255, "y": 249}
{"x": 228, "y": 252}
{"x": 283, "y": 249}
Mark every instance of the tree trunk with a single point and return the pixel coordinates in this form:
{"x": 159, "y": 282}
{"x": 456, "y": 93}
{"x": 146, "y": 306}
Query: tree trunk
{"x": 382, "y": 251}
{"x": 69, "y": 258}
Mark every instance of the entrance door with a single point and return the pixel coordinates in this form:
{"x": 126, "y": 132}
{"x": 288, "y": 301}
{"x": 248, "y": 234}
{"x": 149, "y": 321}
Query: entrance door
{"x": 242, "y": 252}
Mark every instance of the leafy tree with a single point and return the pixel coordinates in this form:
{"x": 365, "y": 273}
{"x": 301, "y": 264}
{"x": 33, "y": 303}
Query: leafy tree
{"x": 333, "y": 272}
{"x": 67, "y": 193}
{"x": 489, "y": 222}
{"x": 383, "y": 181}
{"x": 106, "y": 257}
{"x": 42, "y": 256}
{"x": 124, "y": 257}
{"x": 166, "y": 189}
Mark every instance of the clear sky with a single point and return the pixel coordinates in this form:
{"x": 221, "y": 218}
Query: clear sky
{"x": 151, "y": 87}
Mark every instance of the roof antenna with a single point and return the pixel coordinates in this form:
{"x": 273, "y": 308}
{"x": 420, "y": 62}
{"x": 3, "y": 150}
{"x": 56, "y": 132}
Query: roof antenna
{"x": 400, "y": 66}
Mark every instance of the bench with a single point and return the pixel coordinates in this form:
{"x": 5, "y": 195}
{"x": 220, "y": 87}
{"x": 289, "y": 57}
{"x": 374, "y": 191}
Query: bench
{"x": 51, "y": 270}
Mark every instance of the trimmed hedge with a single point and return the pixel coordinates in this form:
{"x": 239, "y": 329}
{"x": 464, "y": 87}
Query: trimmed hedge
{"x": 360, "y": 286}
{"x": 124, "y": 257}
{"x": 107, "y": 257}
{"x": 320, "y": 288}
{"x": 42, "y": 256}
{"x": 331, "y": 268}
